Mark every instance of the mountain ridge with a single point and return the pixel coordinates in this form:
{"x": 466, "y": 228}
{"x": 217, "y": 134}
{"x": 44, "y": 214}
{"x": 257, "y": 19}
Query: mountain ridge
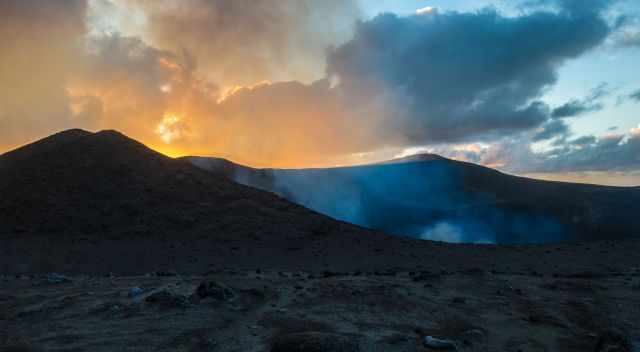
{"x": 428, "y": 192}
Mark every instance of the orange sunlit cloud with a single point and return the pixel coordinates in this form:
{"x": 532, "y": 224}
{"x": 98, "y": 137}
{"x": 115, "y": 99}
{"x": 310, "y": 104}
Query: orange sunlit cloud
{"x": 158, "y": 89}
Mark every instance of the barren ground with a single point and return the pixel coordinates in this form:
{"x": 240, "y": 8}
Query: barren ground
{"x": 280, "y": 311}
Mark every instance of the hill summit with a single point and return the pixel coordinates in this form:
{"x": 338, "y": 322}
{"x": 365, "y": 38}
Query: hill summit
{"x": 77, "y": 183}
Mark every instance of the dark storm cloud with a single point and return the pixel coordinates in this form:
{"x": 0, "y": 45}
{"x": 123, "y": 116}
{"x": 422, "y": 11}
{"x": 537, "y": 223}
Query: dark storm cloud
{"x": 458, "y": 76}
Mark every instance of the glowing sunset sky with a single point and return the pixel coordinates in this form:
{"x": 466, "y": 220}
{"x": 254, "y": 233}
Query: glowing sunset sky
{"x": 549, "y": 88}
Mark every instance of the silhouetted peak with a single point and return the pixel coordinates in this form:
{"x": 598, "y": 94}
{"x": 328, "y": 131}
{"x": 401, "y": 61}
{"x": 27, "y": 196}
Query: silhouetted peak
{"x": 74, "y": 132}
{"x": 83, "y": 148}
{"x": 416, "y": 158}
{"x": 47, "y": 144}
{"x": 111, "y": 134}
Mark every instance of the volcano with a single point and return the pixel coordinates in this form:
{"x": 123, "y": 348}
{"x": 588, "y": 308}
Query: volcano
{"x": 94, "y": 190}
{"x": 432, "y": 197}
{"x": 102, "y": 202}
{"x": 108, "y": 245}
{"x": 105, "y": 184}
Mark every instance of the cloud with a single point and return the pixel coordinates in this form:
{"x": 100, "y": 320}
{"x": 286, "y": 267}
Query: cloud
{"x": 550, "y": 130}
{"x": 570, "y": 7}
{"x": 630, "y": 39}
{"x": 156, "y": 96}
{"x": 304, "y": 123}
{"x": 635, "y": 95}
{"x": 576, "y": 107}
{"x": 39, "y": 46}
{"x": 169, "y": 87}
{"x": 584, "y": 141}
{"x": 118, "y": 83}
{"x": 463, "y": 76}
{"x": 428, "y": 79}
{"x": 628, "y": 34}
{"x": 611, "y": 153}
{"x": 242, "y": 42}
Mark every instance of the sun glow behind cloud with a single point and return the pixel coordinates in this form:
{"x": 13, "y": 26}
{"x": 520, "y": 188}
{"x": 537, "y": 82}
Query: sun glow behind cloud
{"x": 170, "y": 129}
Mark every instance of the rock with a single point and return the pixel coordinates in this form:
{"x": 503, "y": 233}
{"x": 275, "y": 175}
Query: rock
{"x": 166, "y": 273}
{"x": 215, "y": 290}
{"x": 439, "y": 344}
{"x": 613, "y": 341}
{"x": 135, "y": 292}
{"x": 315, "y": 342}
{"x": 166, "y": 299}
{"x": 55, "y": 278}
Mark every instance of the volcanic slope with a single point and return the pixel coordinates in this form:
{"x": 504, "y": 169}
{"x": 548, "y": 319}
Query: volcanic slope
{"x": 101, "y": 185}
{"x": 81, "y": 187}
{"x": 432, "y": 197}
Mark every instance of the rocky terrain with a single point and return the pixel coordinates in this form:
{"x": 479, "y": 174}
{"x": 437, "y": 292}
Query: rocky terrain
{"x": 107, "y": 245}
{"x": 279, "y": 311}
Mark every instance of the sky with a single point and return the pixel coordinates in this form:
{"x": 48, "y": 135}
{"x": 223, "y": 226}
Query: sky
{"x": 541, "y": 88}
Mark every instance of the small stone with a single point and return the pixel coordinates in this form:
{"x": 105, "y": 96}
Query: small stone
{"x": 439, "y": 344}
{"x": 55, "y": 278}
{"x": 135, "y": 292}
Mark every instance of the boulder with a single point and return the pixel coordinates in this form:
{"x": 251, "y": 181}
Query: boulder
{"x": 215, "y": 290}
